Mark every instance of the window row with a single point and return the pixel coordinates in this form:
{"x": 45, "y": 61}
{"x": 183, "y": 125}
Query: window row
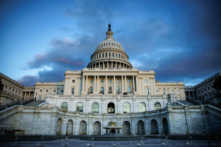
{"x": 54, "y": 90}
{"x": 108, "y": 55}
{"x": 129, "y": 89}
{"x": 170, "y": 90}
{"x": 111, "y": 107}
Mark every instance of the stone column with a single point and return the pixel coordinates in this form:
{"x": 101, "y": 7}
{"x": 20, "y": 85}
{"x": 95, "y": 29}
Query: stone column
{"x": 25, "y": 95}
{"x": 114, "y": 85}
{"x": 122, "y": 87}
{"x": 189, "y": 94}
{"x": 29, "y": 95}
{"x": 105, "y": 84}
{"x": 83, "y": 84}
{"x": 94, "y": 89}
{"x": 136, "y": 83}
{"x": 98, "y": 84}
{"x": 133, "y": 85}
{"x": 86, "y": 83}
{"x": 125, "y": 89}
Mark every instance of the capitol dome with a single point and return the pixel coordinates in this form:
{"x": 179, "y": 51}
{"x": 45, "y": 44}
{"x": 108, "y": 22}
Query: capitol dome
{"x": 109, "y": 54}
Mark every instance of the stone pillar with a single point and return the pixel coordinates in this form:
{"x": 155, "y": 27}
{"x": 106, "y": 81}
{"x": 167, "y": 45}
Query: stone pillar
{"x": 122, "y": 86}
{"x": 133, "y": 127}
{"x": 114, "y": 85}
{"x": 189, "y": 94}
{"x": 94, "y": 89}
{"x": 105, "y": 84}
{"x": 29, "y": 95}
{"x": 25, "y": 95}
{"x": 133, "y": 85}
{"x": 125, "y": 86}
{"x": 98, "y": 84}
{"x": 83, "y": 77}
{"x": 86, "y": 83}
{"x": 136, "y": 83}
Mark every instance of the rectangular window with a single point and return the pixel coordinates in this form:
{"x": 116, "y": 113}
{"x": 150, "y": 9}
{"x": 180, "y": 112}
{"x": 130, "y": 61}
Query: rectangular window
{"x": 147, "y": 90}
{"x": 128, "y": 81}
{"x": 146, "y": 81}
{"x": 61, "y": 90}
{"x": 102, "y": 81}
{"x": 73, "y": 81}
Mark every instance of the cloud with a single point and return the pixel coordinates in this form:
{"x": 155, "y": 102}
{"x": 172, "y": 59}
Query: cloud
{"x": 180, "y": 40}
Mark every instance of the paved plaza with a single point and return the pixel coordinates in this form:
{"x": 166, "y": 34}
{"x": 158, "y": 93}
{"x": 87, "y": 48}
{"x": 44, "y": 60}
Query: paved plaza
{"x": 138, "y": 143}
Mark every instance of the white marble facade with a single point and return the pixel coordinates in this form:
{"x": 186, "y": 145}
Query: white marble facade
{"x": 110, "y": 90}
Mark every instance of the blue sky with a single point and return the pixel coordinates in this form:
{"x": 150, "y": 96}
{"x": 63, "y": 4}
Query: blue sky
{"x": 179, "y": 39}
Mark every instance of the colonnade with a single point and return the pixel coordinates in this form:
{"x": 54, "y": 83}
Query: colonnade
{"x": 110, "y": 65}
{"x": 27, "y": 95}
{"x": 190, "y": 94}
{"x": 122, "y": 81}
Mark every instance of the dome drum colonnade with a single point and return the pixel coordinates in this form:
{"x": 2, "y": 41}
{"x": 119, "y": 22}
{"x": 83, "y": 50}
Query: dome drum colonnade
{"x": 109, "y": 54}
{"x": 110, "y": 84}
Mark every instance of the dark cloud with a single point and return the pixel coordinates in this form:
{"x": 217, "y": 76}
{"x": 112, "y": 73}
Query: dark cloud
{"x": 180, "y": 40}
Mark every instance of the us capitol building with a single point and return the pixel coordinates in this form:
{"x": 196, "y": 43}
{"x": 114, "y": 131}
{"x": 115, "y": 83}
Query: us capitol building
{"x": 110, "y": 90}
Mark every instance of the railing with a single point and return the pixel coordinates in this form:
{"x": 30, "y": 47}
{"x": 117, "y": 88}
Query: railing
{"x": 169, "y": 83}
{"x": 50, "y": 82}
{"x": 210, "y": 103}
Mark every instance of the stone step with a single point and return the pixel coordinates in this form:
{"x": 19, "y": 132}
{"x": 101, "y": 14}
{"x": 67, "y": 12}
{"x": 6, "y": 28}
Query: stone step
{"x": 186, "y": 102}
{"x": 34, "y": 103}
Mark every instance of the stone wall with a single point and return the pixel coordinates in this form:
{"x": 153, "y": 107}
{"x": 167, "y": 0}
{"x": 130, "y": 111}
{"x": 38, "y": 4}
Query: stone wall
{"x": 52, "y": 120}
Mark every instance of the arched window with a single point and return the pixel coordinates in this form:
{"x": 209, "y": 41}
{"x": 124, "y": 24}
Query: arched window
{"x": 91, "y": 89}
{"x": 103, "y": 55}
{"x": 128, "y": 89}
{"x": 39, "y": 98}
{"x": 106, "y": 54}
{"x": 119, "y": 55}
{"x": 102, "y": 89}
{"x": 142, "y": 107}
{"x": 113, "y": 55}
{"x": 147, "y": 90}
{"x": 118, "y": 89}
{"x": 109, "y": 54}
{"x": 95, "y": 108}
{"x": 110, "y": 89}
{"x": 79, "y": 107}
{"x": 157, "y": 105}
{"x": 126, "y": 108}
{"x": 64, "y": 106}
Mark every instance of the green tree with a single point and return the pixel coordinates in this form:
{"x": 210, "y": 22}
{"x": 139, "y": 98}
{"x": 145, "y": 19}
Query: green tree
{"x": 217, "y": 84}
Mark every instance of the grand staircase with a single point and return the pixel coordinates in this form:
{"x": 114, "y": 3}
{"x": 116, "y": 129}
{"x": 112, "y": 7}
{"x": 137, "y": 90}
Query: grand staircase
{"x": 34, "y": 103}
{"x": 31, "y": 102}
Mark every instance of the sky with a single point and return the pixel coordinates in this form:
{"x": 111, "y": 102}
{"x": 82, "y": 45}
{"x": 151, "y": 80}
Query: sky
{"x": 179, "y": 39}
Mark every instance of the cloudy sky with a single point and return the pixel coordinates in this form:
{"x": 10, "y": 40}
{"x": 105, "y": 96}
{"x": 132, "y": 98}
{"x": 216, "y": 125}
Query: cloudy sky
{"x": 179, "y": 39}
